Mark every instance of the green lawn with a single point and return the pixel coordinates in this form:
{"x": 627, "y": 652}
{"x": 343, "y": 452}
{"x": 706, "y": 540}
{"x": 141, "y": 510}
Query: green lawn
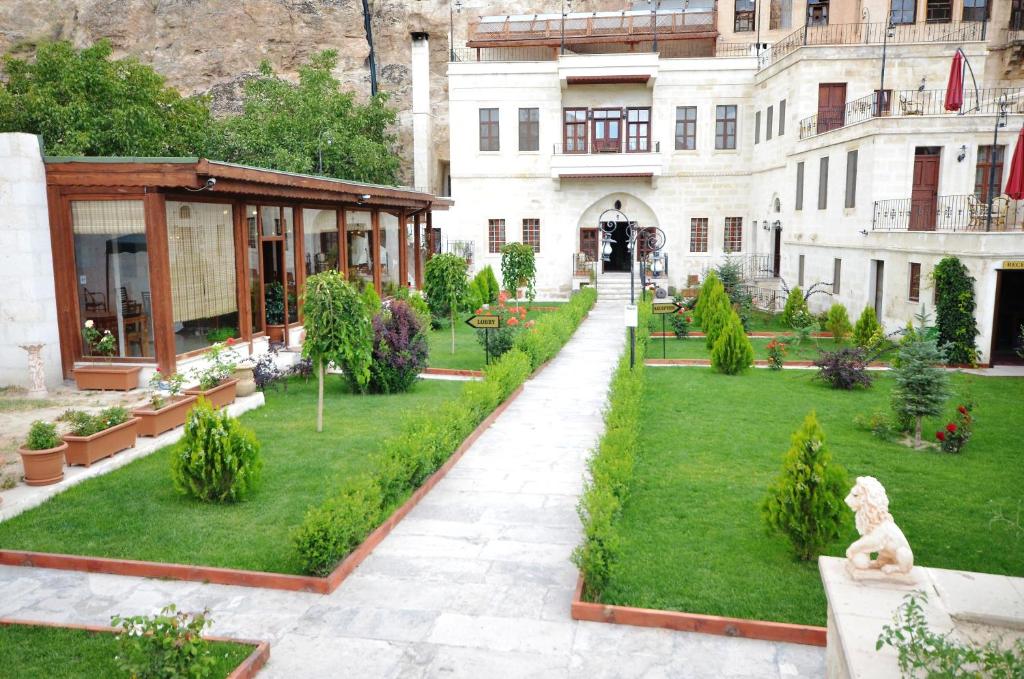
{"x": 30, "y": 652}
{"x": 469, "y": 353}
{"x": 760, "y": 321}
{"x": 694, "y": 347}
{"x": 134, "y": 512}
{"x": 694, "y": 538}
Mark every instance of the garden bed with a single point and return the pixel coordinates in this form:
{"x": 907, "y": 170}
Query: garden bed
{"x": 695, "y": 347}
{"x": 31, "y": 649}
{"x": 469, "y": 353}
{"x": 693, "y": 537}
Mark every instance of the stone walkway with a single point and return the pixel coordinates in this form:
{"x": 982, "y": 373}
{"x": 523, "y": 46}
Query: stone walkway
{"x": 476, "y": 582}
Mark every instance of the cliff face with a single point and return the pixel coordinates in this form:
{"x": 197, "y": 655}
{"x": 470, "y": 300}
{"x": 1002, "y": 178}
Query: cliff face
{"x": 213, "y": 46}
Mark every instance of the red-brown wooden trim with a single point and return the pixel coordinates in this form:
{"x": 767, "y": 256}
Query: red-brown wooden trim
{"x": 695, "y": 622}
{"x": 606, "y": 79}
{"x": 299, "y": 255}
{"x": 155, "y": 209}
{"x": 417, "y": 247}
{"x": 375, "y": 254}
{"x": 65, "y": 279}
{"x": 247, "y": 669}
{"x": 242, "y": 290}
{"x": 403, "y": 250}
{"x": 455, "y": 372}
{"x": 342, "y": 242}
{"x": 605, "y": 175}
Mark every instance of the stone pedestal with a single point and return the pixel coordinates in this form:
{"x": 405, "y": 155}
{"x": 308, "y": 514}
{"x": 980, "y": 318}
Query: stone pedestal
{"x": 36, "y": 370}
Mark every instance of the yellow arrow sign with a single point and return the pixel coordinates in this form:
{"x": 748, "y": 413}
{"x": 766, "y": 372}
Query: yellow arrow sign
{"x": 665, "y": 308}
{"x": 483, "y": 322}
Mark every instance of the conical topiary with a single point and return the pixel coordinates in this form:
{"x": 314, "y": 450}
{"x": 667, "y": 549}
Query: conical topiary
{"x": 838, "y": 323}
{"x": 707, "y": 288}
{"x": 795, "y": 303}
{"x": 866, "y": 327}
{"x": 805, "y": 503}
{"x": 717, "y": 314}
{"x": 732, "y": 352}
{"x": 921, "y": 385}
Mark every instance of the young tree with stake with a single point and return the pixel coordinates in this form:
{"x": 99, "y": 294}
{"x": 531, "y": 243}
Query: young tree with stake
{"x": 444, "y": 282}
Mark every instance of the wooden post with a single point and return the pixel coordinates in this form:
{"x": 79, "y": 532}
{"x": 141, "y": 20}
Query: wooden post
{"x": 431, "y": 245}
{"x": 403, "y": 249}
{"x": 375, "y": 253}
{"x": 62, "y": 248}
{"x": 342, "y": 242}
{"x": 298, "y": 257}
{"x": 155, "y": 207}
{"x": 417, "y": 245}
{"x": 242, "y": 272}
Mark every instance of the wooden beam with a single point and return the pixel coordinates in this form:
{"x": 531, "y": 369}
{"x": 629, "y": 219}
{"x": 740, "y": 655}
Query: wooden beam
{"x": 431, "y": 246}
{"x": 244, "y": 295}
{"x": 298, "y": 254}
{"x": 342, "y": 243}
{"x": 160, "y": 281}
{"x": 403, "y": 250}
{"x": 416, "y": 247}
{"x": 542, "y": 41}
{"x": 62, "y": 251}
{"x": 375, "y": 250}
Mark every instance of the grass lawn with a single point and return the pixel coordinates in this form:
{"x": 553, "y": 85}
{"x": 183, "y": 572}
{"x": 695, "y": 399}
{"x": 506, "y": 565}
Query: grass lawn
{"x": 30, "y": 652}
{"x": 11, "y": 405}
{"x": 760, "y": 321}
{"x": 694, "y": 537}
{"x": 134, "y": 512}
{"x": 694, "y": 347}
{"x": 469, "y": 353}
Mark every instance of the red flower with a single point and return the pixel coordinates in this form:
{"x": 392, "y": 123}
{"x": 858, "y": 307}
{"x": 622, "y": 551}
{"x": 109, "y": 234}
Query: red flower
{"x": 963, "y": 411}
{"x": 479, "y": 311}
{"x": 951, "y": 427}
{"x": 513, "y": 321}
{"x": 689, "y": 319}
{"x": 231, "y": 341}
{"x": 940, "y": 435}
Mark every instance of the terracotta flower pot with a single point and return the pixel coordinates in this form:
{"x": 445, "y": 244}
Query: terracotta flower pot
{"x": 156, "y": 422}
{"x": 276, "y": 333}
{"x": 220, "y": 396}
{"x": 87, "y": 449}
{"x": 107, "y": 377}
{"x": 43, "y": 467}
{"x": 246, "y": 381}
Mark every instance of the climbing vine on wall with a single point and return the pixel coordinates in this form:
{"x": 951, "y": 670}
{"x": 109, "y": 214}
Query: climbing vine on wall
{"x": 954, "y": 306}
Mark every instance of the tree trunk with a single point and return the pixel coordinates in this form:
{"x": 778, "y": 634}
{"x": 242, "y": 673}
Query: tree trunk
{"x": 453, "y": 330}
{"x": 320, "y": 395}
{"x": 917, "y": 432}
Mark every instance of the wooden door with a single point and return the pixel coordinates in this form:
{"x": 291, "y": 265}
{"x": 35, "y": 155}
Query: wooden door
{"x": 878, "y": 283}
{"x": 925, "y": 190}
{"x": 777, "y": 254}
{"x": 606, "y": 131}
{"x": 590, "y": 244}
{"x": 831, "y": 106}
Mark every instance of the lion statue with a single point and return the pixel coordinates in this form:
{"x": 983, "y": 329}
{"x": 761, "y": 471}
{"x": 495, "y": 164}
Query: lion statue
{"x": 879, "y": 533}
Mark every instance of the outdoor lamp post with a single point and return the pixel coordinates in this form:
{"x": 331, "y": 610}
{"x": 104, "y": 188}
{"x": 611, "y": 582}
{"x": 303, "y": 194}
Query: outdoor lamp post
{"x": 1000, "y": 122}
{"x": 561, "y": 27}
{"x": 453, "y": 7}
{"x": 320, "y": 150}
{"x": 890, "y": 32}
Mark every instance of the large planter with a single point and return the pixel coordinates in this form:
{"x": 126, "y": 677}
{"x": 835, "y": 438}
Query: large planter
{"x": 276, "y": 333}
{"x": 246, "y": 381}
{"x": 107, "y": 377}
{"x": 156, "y": 422}
{"x": 87, "y": 449}
{"x": 220, "y": 396}
{"x": 43, "y": 467}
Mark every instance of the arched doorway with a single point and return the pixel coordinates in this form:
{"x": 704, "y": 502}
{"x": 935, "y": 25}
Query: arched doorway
{"x": 776, "y": 237}
{"x": 638, "y": 213}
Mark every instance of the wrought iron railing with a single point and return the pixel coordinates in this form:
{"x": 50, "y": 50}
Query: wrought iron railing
{"x": 548, "y": 29}
{"x": 736, "y": 49}
{"x": 606, "y": 148}
{"x": 948, "y": 213}
{"x": 470, "y": 54}
{"x": 1013, "y": 36}
{"x": 462, "y": 248}
{"x": 583, "y": 266}
{"x": 910, "y": 103}
{"x": 766, "y": 299}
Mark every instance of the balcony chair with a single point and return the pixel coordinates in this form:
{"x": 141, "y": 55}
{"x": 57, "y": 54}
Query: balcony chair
{"x": 979, "y": 213}
{"x": 910, "y": 107}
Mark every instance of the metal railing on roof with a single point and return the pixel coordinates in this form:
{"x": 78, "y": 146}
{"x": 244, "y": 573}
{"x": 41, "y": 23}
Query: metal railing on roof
{"x": 627, "y": 24}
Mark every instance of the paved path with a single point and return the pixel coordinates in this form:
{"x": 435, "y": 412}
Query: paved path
{"x": 476, "y": 582}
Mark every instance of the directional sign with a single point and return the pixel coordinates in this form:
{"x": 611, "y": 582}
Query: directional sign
{"x": 483, "y": 322}
{"x": 665, "y": 308}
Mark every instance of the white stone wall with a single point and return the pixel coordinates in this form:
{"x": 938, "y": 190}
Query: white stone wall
{"x": 28, "y": 307}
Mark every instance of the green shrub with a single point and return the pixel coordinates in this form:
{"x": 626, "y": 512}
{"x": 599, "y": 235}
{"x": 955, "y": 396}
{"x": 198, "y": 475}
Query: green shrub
{"x": 866, "y": 329}
{"x": 717, "y": 314}
{"x": 42, "y": 436}
{"x": 921, "y": 385}
{"x": 732, "y": 353}
{"x": 218, "y": 459}
{"x": 169, "y": 645}
{"x": 795, "y": 304}
{"x": 483, "y": 289}
{"x": 954, "y": 303}
{"x": 84, "y": 424}
{"x": 335, "y": 528}
{"x": 838, "y": 323}
{"x": 371, "y": 299}
{"x": 518, "y": 269}
{"x": 399, "y": 349}
{"x": 879, "y": 424}
{"x": 805, "y": 503}
{"x": 444, "y": 283}
{"x": 711, "y": 282}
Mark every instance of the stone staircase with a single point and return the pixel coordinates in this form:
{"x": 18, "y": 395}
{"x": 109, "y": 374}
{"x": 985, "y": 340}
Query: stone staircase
{"x": 615, "y": 287}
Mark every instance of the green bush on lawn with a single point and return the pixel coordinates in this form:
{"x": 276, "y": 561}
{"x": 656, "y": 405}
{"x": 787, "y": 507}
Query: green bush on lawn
{"x": 426, "y": 440}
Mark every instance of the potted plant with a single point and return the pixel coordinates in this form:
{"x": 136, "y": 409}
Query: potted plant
{"x": 246, "y": 379}
{"x": 167, "y": 406}
{"x": 94, "y": 437}
{"x": 42, "y": 456}
{"x": 109, "y": 376}
{"x": 215, "y": 381}
{"x": 274, "y": 300}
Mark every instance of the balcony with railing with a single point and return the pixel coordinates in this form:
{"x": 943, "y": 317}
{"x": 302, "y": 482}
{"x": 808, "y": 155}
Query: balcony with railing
{"x": 961, "y": 213}
{"x": 899, "y": 103}
{"x": 606, "y": 158}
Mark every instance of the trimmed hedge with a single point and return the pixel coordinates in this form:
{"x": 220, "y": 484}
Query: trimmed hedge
{"x": 425, "y": 441}
{"x": 611, "y": 468}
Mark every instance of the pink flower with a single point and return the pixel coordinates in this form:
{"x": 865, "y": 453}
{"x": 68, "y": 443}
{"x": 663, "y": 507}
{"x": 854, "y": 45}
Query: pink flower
{"x": 513, "y": 321}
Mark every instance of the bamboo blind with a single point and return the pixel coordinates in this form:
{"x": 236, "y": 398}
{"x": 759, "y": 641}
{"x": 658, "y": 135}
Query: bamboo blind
{"x": 202, "y": 254}
{"x": 103, "y": 217}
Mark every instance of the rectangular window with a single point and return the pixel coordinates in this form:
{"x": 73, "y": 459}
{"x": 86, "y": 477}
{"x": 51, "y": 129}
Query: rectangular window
{"x": 320, "y": 240}
{"x": 800, "y": 185}
{"x": 975, "y": 10}
{"x": 575, "y": 130}
{"x": 881, "y": 99}
{"x": 1017, "y": 15}
{"x": 529, "y": 129}
{"x": 823, "y": 183}
{"x": 686, "y": 128}
{"x": 699, "y": 234}
{"x": 769, "y": 123}
{"x": 851, "y": 178}
{"x": 757, "y": 127}
{"x": 983, "y": 172}
{"x": 904, "y": 11}
{"x": 733, "y": 234}
{"x": 725, "y": 127}
{"x": 837, "y": 274}
{"x": 800, "y": 272}
{"x": 780, "y": 14}
{"x": 939, "y": 11}
{"x": 817, "y": 12}
{"x": 914, "y": 294}
{"x": 489, "y": 129}
{"x": 531, "y": 233}
{"x": 782, "y": 117}
{"x": 744, "y": 16}
{"x": 638, "y": 130}
{"x": 495, "y": 235}
{"x": 606, "y": 130}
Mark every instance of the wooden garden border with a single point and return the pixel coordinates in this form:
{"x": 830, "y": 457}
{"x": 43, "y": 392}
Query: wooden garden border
{"x": 246, "y": 670}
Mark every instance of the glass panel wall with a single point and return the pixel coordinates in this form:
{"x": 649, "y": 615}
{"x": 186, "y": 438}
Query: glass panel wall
{"x": 389, "y": 253}
{"x": 290, "y": 283}
{"x": 112, "y": 265}
{"x": 359, "y": 232}
{"x": 320, "y": 240}
{"x": 201, "y": 248}
{"x": 253, "y": 261}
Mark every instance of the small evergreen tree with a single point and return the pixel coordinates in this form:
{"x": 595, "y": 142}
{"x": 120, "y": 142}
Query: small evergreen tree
{"x": 711, "y": 281}
{"x": 805, "y": 503}
{"x": 732, "y": 352}
{"x": 795, "y": 305}
{"x": 866, "y": 328}
{"x": 444, "y": 282}
{"x": 921, "y": 386}
{"x": 838, "y": 323}
{"x": 954, "y": 304}
{"x": 218, "y": 459}
{"x": 716, "y": 315}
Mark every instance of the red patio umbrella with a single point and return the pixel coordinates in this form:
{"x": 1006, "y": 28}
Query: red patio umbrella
{"x": 1015, "y": 184}
{"x": 955, "y": 88}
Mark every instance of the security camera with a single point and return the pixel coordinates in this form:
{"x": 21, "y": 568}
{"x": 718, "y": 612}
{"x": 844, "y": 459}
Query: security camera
{"x": 364, "y": 197}
{"x": 210, "y": 183}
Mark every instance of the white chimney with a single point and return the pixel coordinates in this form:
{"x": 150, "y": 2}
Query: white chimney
{"x": 422, "y": 119}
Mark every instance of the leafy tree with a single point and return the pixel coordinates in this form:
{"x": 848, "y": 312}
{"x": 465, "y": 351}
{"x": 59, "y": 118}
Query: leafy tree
{"x": 838, "y": 323}
{"x": 444, "y": 282}
{"x": 954, "y": 303}
{"x": 805, "y": 503}
{"x": 289, "y": 126}
{"x": 83, "y": 103}
{"x": 518, "y": 268}
{"x": 732, "y": 352}
{"x": 921, "y": 386}
{"x": 796, "y": 305}
{"x": 867, "y": 328}
{"x": 338, "y": 330}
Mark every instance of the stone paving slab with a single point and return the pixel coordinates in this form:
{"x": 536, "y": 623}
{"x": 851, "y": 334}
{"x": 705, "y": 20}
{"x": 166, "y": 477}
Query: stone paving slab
{"x": 476, "y": 582}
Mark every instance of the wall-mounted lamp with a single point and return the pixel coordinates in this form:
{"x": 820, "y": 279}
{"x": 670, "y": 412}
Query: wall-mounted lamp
{"x": 863, "y": 232}
{"x": 777, "y": 225}
{"x": 963, "y": 153}
{"x": 920, "y": 88}
{"x": 363, "y": 198}
{"x": 657, "y": 263}
{"x": 765, "y": 226}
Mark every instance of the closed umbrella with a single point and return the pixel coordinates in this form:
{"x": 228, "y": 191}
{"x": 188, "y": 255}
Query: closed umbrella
{"x": 955, "y": 87}
{"x": 1015, "y": 184}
